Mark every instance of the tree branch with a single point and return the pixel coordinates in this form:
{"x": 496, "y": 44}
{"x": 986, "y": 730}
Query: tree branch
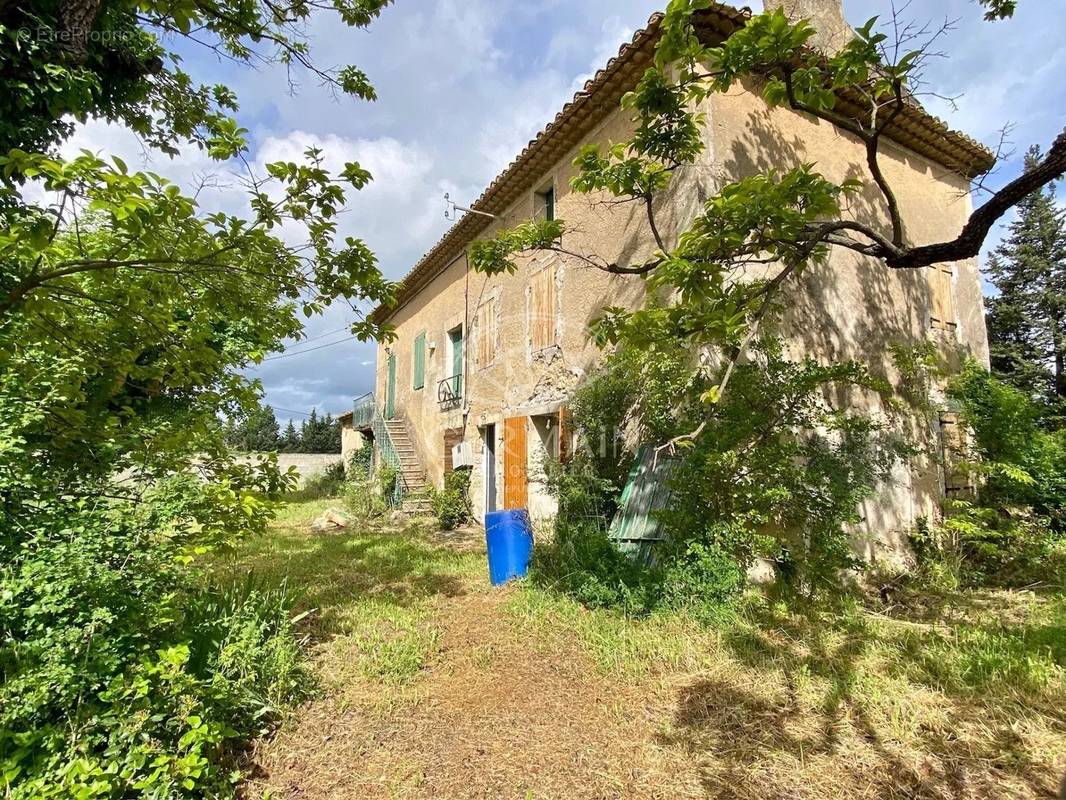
{"x": 968, "y": 243}
{"x": 614, "y": 269}
{"x": 873, "y": 144}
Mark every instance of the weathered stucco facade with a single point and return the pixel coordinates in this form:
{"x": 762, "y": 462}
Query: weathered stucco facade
{"x": 853, "y": 307}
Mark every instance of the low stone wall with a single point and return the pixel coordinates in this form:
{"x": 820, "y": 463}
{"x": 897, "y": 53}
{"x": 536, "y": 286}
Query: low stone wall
{"x": 307, "y": 464}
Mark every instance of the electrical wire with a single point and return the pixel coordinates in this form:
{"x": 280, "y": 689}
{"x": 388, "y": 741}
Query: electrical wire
{"x": 291, "y": 411}
{"x": 345, "y": 329}
{"x": 308, "y": 350}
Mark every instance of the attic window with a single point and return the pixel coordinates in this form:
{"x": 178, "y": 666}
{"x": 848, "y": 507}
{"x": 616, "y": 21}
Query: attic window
{"x": 544, "y": 204}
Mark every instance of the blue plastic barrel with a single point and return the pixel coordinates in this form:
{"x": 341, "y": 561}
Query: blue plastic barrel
{"x": 509, "y": 538}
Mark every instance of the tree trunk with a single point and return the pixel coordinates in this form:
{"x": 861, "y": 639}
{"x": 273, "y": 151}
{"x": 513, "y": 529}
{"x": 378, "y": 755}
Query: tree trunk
{"x": 1060, "y": 360}
{"x": 76, "y": 21}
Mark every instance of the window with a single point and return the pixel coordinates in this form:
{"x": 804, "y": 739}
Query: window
{"x": 544, "y": 204}
{"x": 542, "y": 309}
{"x": 452, "y": 391}
{"x": 419, "y": 361}
{"x": 486, "y": 332}
{"x": 942, "y": 312}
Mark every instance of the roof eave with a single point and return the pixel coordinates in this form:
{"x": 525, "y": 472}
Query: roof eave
{"x": 916, "y": 129}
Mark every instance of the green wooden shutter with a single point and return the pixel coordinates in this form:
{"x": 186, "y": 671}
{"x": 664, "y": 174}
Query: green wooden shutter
{"x": 420, "y": 361}
{"x": 635, "y": 527}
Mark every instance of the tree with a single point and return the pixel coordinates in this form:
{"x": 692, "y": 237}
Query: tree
{"x": 786, "y": 219}
{"x": 290, "y": 439}
{"x": 1027, "y": 319}
{"x": 331, "y": 440}
{"x": 127, "y": 317}
{"x": 67, "y": 61}
{"x": 257, "y": 432}
{"x": 320, "y": 434}
{"x": 999, "y": 9}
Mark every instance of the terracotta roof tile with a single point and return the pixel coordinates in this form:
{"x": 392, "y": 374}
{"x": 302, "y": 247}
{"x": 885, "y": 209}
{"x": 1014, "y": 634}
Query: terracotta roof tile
{"x": 915, "y": 128}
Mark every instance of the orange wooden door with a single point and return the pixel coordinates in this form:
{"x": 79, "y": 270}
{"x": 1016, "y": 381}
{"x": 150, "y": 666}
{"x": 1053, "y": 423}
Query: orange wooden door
{"x": 515, "y": 480}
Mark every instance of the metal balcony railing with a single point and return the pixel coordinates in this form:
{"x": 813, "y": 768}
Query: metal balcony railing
{"x": 363, "y": 412}
{"x": 450, "y": 391}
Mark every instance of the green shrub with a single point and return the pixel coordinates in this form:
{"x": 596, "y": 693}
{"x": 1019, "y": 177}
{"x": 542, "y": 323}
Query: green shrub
{"x": 704, "y": 581}
{"x": 582, "y": 562}
{"x": 363, "y": 498}
{"x": 779, "y": 469}
{"x": 361, "y": 462}
{"x": 242, "y": 642}
{"x": 108, "y": 636}
{"x": 980, "y": 546}
{"x": 580, "y": 490}
{"x": 1022, "y": 462}
{"x": 451, "y": 505}
{"x": 387, "y": 478}
{"x": 1011, "y": 534}
{"x": 328, "y": 483}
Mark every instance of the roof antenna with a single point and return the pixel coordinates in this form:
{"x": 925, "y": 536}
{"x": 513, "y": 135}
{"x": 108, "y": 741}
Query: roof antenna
{"x": 450, "y": 208}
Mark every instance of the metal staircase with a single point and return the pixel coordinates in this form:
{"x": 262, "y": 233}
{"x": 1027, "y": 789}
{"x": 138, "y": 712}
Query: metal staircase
{"x": 396, "y": 450}
{"x": 413, "y": 477}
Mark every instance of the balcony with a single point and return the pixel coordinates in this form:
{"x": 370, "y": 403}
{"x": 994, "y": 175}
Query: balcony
{"x": 450, "y": 392}
{"x": 363, "y": 412}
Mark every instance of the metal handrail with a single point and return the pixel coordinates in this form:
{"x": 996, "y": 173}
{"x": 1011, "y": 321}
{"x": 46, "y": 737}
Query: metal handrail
{"x": 366, "y": 408}
{"x": 450, "y": 391}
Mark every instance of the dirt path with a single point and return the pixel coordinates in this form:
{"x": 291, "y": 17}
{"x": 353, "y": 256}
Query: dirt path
{"x": 436, "y": 686}
{"x": 495, "y": 716}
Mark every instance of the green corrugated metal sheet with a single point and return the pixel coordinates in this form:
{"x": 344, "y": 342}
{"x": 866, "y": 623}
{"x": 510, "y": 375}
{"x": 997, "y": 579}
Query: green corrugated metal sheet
{"x": 635, "y": 528}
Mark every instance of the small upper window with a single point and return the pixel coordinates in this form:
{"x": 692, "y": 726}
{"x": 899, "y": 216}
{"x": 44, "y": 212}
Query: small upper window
{"x": 545, "y": 204}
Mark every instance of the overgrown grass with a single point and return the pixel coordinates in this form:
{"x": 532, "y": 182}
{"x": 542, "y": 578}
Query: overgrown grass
{"x": 323, "y": 485}
{"x": 1023, "y": 655}
{"x": 376, "y": 587}
{"x": 911, "y": 699}
{"x": 619, "y": 645}
{"x": 979, "y": 696}
{"x": 368, "y": 590}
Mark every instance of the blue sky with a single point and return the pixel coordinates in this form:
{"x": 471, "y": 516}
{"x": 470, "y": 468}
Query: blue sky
{"x": 464, "y": 84}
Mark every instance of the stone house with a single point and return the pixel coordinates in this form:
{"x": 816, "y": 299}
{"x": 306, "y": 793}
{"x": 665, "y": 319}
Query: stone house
{"x": 491, "y": 361}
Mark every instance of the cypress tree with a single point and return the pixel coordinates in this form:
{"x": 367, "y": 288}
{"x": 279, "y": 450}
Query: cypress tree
{"x": 290, "y": 439}
{"x": 1027, "y": 319}
{"x": 255, "y": 433}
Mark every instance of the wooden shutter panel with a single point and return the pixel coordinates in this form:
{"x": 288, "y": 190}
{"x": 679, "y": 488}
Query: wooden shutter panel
{"x": 420, "y": 361}
{"x": 942, "y": 311}
{"x": 566, "y": 434}
{"x": 953, "y": 448}
{"x": 486, "y": 333}
{"x": 515, "y": 479}
{"x": 542, "y": 309}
